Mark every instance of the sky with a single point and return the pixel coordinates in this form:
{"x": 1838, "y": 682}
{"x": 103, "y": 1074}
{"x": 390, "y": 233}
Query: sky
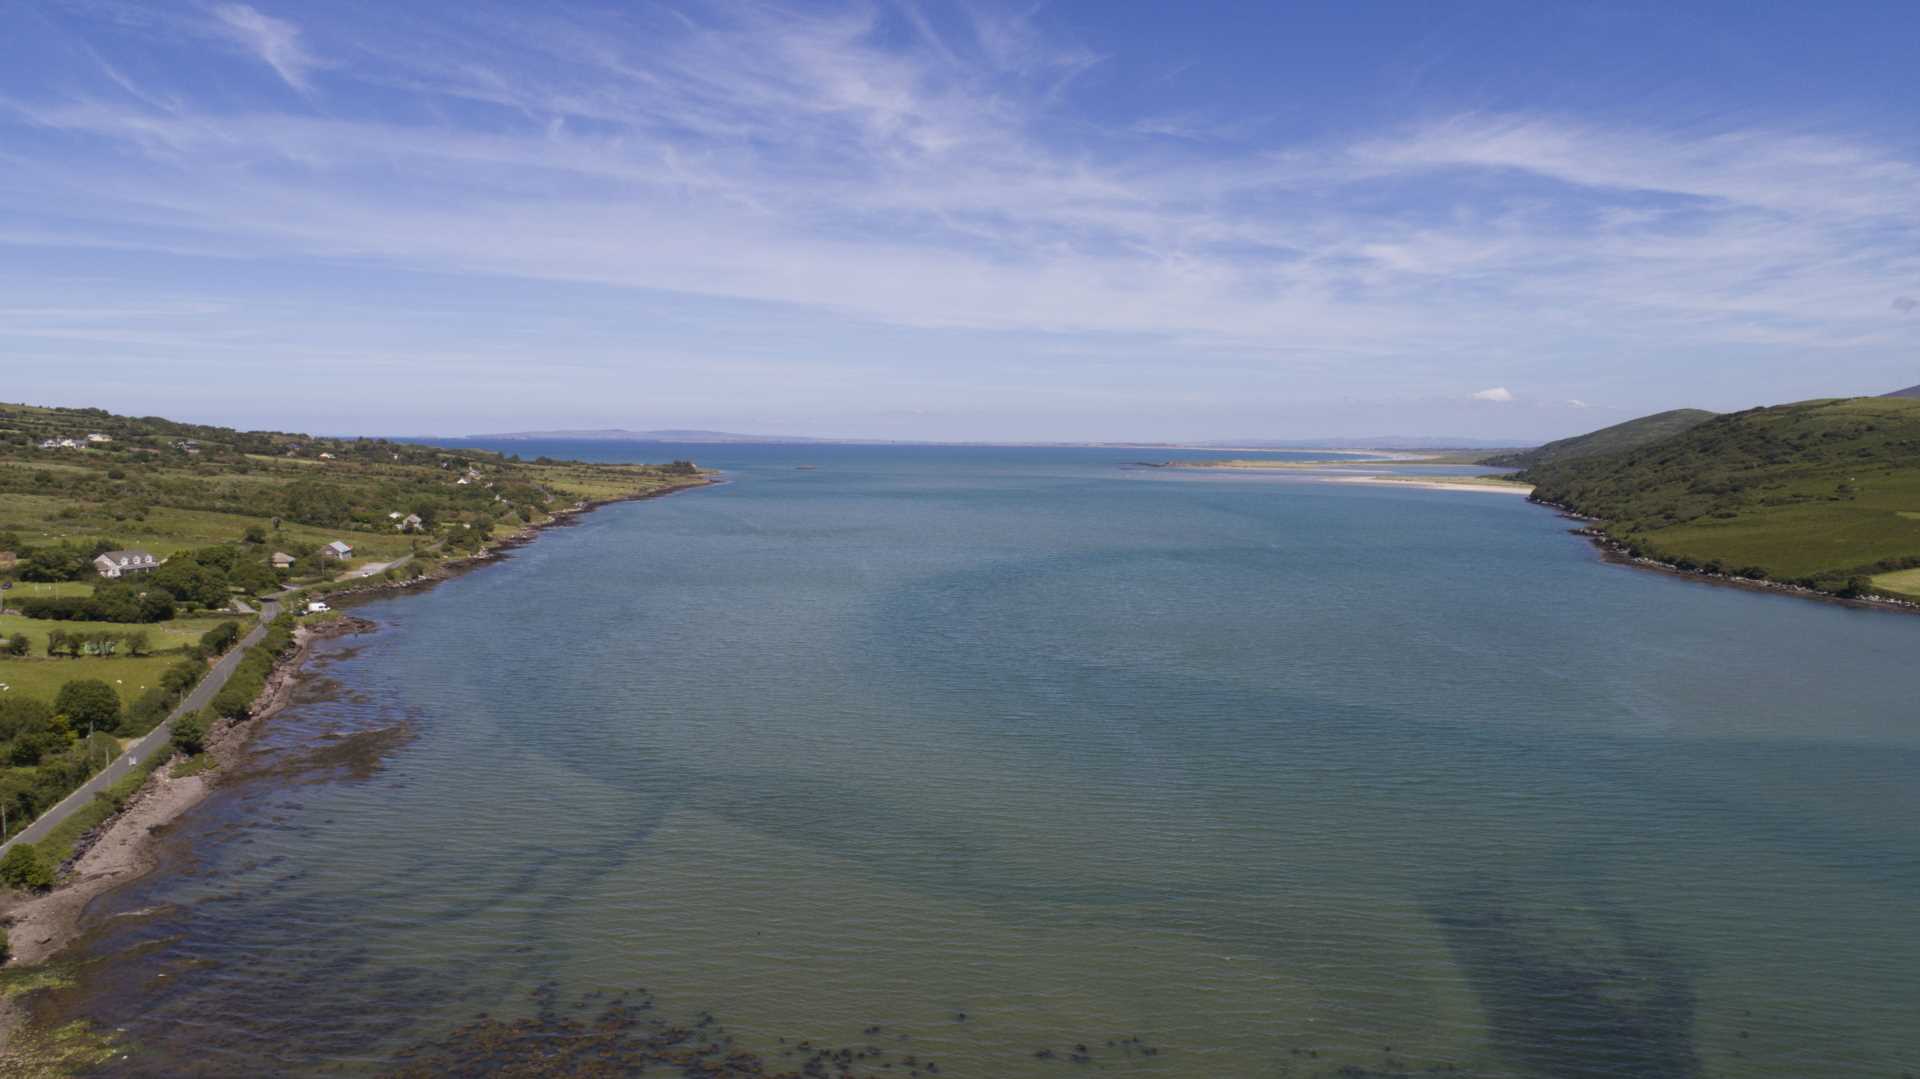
{"x": 1057, "y": 221}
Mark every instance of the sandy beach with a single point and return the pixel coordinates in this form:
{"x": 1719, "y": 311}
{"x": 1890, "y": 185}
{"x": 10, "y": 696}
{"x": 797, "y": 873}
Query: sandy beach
{"x": 1462, "y": 483}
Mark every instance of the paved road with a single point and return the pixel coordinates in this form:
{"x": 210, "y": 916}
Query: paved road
{"x": 155, "y": 741}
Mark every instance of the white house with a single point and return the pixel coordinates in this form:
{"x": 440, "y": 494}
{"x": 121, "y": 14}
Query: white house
{"x": 337, "y": 550}
{"x": 98, "y": 438}
{"x": 317, "y": 607}
{"x": 116, "y": 564}
{"x": 282, "y": 560}
{"x": 410, "y": 523}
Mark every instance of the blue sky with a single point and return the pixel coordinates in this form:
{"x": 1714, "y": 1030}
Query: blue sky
{"x": 1071, "y": 220}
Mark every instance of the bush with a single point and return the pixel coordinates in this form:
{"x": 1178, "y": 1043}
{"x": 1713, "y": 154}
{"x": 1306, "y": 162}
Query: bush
{"x": 88, "y": 702}
{"x": 182, "y": 676}
{"x": 190, "y": 735}
{"x": 220, "y": 638}
{"x": 6, "y": 949}
{"x": 18, "y": 645}
{"x": 25, "y": 867}
{"x": 147, "y": 711}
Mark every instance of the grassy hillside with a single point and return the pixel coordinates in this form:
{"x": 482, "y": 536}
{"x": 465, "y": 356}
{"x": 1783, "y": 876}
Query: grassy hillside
{"x": 217, "y": 504}
{"x": 86, "y": 663}
{"x": 1821, "y": 493}
{"x": 1616, "y": 439}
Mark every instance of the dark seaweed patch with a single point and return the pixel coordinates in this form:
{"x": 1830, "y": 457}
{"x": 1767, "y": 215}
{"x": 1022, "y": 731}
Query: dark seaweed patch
{"x": 1590, "y": 998}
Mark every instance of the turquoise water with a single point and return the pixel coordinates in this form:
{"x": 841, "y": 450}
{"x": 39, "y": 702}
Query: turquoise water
{"x": 1007, "y": 752}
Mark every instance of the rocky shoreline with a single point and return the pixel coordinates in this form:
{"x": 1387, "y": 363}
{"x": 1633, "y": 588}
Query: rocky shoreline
{"x": 1618, "y": 553}
{"x": 122, "y": 848}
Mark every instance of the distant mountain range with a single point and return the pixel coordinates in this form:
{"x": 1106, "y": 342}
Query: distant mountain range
{"x": 620, "y": 434}
{"x": 1910, "y": 391}
{"x": 1383, "y": 442}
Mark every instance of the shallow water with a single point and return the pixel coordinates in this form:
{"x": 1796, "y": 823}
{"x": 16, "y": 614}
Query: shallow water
{"x": 1006, "y": 752}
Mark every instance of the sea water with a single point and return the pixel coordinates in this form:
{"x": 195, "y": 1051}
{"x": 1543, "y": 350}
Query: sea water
{"x": 1032, "y": 762}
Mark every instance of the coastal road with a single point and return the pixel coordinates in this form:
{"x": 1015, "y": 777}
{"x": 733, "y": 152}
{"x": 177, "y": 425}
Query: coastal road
{"x": 155, "y": 740}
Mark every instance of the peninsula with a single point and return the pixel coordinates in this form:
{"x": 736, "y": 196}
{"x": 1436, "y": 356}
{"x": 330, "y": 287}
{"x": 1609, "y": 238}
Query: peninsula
{"x": 136, "y": 552}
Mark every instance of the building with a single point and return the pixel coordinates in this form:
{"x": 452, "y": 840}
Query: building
{"x": 411, "y": 523}
{"x": 282, "y": 560}
{"x": 337, "y": 551}
{"x": 116, "y": 564}
{"x": 99, "y": 438}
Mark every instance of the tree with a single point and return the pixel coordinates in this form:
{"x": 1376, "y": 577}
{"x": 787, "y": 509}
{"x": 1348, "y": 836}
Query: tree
{"x": 256, "y": 534}
{"x": 23, "y": 715}
{"x": 18, "y": 645}
{"x": 189, "y": 581}
{"x": 56, "y": 641}
{"x": 254, "y": 577}
{"x": 190, "y": 735}
{"x": 25, "y": 867}
{"x": 139, "y": 643}
{"x": 155, "y": 606}
{"x": 181, "y": 677}
{"x": 88, "y": 702}
{"x": 220, "y": 638}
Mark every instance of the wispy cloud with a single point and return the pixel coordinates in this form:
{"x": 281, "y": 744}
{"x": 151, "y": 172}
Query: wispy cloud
{"x": 275, "y": 41}
{"x": 884, "y": 166}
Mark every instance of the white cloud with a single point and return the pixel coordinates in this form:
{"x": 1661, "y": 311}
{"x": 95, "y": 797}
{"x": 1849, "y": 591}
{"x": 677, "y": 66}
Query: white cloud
{"x": 275, "y": 41}
{"x": 1575, "y": 402}
{"x": 795, "y": 157}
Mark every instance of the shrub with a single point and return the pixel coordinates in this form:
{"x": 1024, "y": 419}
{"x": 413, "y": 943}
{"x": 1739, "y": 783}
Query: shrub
{"x": 88, "y": 702}
{"x": 220, "y": 638}
{"x": 190, "y": 735}
{"x": 147, "y": 711}
{"x": 182, "y": 676}
{"x": 25, "y": 867}
{"x": 18, "y": 645}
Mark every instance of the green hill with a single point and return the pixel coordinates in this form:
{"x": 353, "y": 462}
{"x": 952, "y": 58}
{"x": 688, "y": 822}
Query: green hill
{"x": 1819, "y": 493}
{"x": 1615, "y": 439}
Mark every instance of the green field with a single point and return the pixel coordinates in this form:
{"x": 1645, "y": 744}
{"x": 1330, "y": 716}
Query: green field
{"x": 1818, "y": 492}
{"x": 166, "y": 530}
{"x": 1905, "y": 583}
{"x": 42, "y": 678}
{"x": 38, "y": 589}
{"x": 215, "y": 503}
{"x": 161, "y": 636}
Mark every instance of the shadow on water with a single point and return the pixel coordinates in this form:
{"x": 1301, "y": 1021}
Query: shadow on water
{"x": 1573, "y": 994}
